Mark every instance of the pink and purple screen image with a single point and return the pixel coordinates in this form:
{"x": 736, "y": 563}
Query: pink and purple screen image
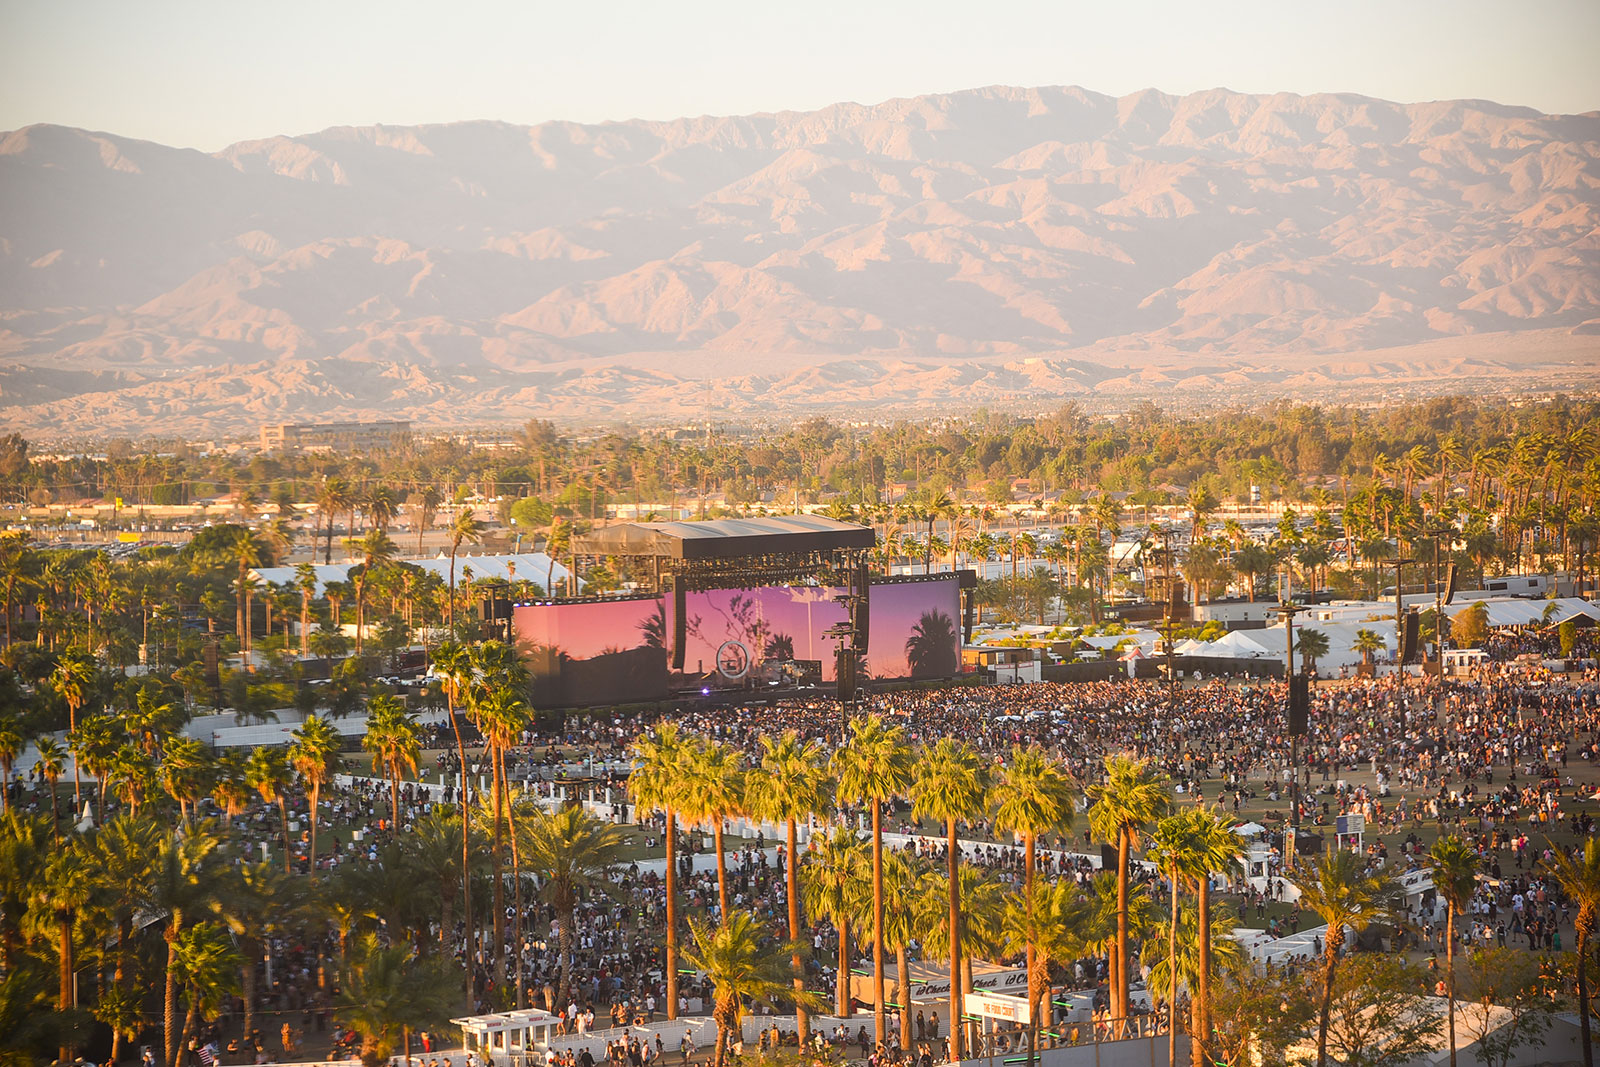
{"x": 913, "y": 627}
{"x": 606, "y": 652}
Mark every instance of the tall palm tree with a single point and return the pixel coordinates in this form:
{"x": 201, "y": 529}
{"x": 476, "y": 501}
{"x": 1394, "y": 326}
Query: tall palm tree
{"x": 1368, "y": 643}
{"x": 951, "y": 784}
{"x": 386, "y": 994}
{"x": 314, "y": 754}
{"x": 267, "y": 771}
{"x": 185, "y": 772}
{"x": 902, "y": 873}
{"x": 334, "y": 496}
{"x": 73, "y": 676}
{"x": 395, "y": 742}
{"x": 873, "y": 766}
{"x": 94, "y": 745}
{"x": 1046, "y": 922}
{"x": 179, "y": 888}
{"x": 1342, "y": 894}
{"x": 427, "y": 502}
{"x": 465, "y": 530}
{"x": 1455, "y": 867}
{"x": 452, "y": 661}
{"x": 660, "y": 782}
{"x": 51, "y": 762}
{"x": 574, "y": 854}
{"x": 1123, "y": 809}
{"x": 11, "y": 743}
{"x": 746, "y": 967}
{"x": 834, "y": 872}
{"x": 305, "y": 584}
{"x": 1580, "y": 881}
{"x": 248, "y": 553}
{"x": 502, "y": 717}
{"x": 252, "y": 895}
{"x": 792, "y": 785}
{"x": 718, "y": 794}
{"x": 1032, "y": 796}
{"x": 374, "y": 549}
{"x": 208, "y": 966}
{"x": 65, "y": 891}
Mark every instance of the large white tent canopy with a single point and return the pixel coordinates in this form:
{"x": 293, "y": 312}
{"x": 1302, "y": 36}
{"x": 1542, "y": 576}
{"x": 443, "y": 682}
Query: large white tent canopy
{"x": 531, "y": 566}
{"x": 1517, "y": 611}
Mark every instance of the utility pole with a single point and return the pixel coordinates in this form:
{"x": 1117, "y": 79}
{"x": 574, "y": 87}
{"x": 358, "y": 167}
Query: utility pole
{"x": 1399, "y": 566}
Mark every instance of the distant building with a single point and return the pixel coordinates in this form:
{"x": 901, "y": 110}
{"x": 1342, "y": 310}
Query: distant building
{"x": 335, "y": 437}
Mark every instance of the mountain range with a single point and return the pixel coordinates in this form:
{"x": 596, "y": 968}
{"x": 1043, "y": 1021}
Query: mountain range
{"x": 998, "y": 245}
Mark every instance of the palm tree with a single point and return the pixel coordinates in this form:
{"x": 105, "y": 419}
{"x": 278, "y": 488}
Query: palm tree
{"x": 374, "y": 550}
{"x": 1337, "y": 888}
{"x": 251, "y": 896}
{"x": 873, "y": 766}
{"x": 94, "y": 745}
{"x": 831, "y": 885}
{"x": 427, "y": 506}
{"x": 125, "y": 851}
{"x": 314, "y": 754}
{"x": 72, "y": 678}
{"x": 1313, "y": 645}
{"x": 902, "y": 873}
{"x": 179, "y": 888}
{"x": 185, "y": 772}
{"x": 64, "y": 892}
{"x": 1046, "y": 922}
{"x": 452, "y": 661}
{"x": 574, "y": 854}
{"x": 267, "y": 771}
{"x": 1178, "y": 960}
{"x": 209, "y": 968}
{"x": 1193, "y": 845}
{"x": 386, "y": 993}
{"x": 305, "y": 583}
{"x": 1368, "y": 643}
{"x": 1032, "y": 796}
{"x": 502, "y": 717}
{"x": 746, "y": 967}
{"x": 334, "y": 496}
{"x": 10, "y": 748}
{"x": 467, "y": 529}
{"x": 1123, "y": 809}
{"x": 395, "y": 743}
{"x": 659, "y": 782}
{"x": 1580, "y": 881}
{"x": 1455, "y": 867}
{"x": 248, "y": 553}
{"x": 718, "y": 794}
{"x": 951, "y": 785}
{"x": 51, "y": 762}
{"x": 792, "y": 785}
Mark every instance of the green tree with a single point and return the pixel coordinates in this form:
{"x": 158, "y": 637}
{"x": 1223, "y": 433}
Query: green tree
{"x": 1579, "y": 879}
{"x": 374, "y": 550}
{"x": 1379, "y": 1013}
{"x": 1046, "y": 923}
{"x": 661, "y": 780}
{"x": 395, "y": 742}
{"x": 72, "y": 678}
{"x": 59, "y": 898}
{"x": 465, "y": 530}
{"x": 1507, "y": 1003}
{"x": 1368, "y": 643}
{"x": 386, "y": 993}
{"x": 718, "y": 795}
{"x": 208, "y": 968}
{"x": 51, "y": 762}
{"x": 10, "y": 748}
{"x": 792, "y": 785}
{"x": 574, "y": 854}
{"x": 1469, "y": 628}
{"x": 179, "y": 888}
{"x": 874, "y": 766}
{"x": 1338, "y": 890}
{"x": 950, "y": 784}
{"x": 1122, "y": 810}
{"x": 267, "y": 771}
{"x": 314, "y": 754}
{"x": 831, "y": 881}
{"x": 746, "y": 967}
{"x": 1454, "y": 865}
{"x": 1312, "y": 645}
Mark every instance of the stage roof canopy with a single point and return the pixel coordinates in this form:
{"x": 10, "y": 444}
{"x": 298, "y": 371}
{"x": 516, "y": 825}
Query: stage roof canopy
{"x": 726, "y": 538}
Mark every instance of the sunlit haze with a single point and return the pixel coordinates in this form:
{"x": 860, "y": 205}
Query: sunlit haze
{"x": 205, "y": 74}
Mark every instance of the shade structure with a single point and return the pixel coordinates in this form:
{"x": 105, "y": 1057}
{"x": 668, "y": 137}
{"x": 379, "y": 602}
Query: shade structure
{"x": 725, "y": 538}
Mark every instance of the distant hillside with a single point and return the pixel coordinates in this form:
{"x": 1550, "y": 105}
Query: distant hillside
{"x": 984, "y": 244}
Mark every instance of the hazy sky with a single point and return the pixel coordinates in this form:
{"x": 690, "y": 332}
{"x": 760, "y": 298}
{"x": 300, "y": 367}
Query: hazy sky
{"x": 204, "y": 73}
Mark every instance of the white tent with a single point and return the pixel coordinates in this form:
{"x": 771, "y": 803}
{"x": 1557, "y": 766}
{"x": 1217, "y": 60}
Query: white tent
{"x": 1517, "y": 611}
{"x": 1236, "y": 644}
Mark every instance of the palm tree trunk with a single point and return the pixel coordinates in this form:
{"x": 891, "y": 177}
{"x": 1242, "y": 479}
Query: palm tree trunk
{"x": 466, "y": 848}
{"x": 64, "y": 1002}
{"x": 170, "y": 1007}
{"x": 1202, "y": 1037}
{"x": 722, "y": 868}
{"x": 247, "y": 982}
{"x": 902, "y": 961}
{"x": 516, "y": 895}
{"x": 283, "y": 823}
{"x": 1035, "y": 979}
{"x": 672, "y": 915}
{"x": 953, "y": 870}
{"x": 1331, "y": 960}
{"x": 316, "y": 794}
{"x": 792, "y": 888}
{"x": 1172, "y": 980}
{"x": 1119, "y": 989}
{"x": 567, "y": 937}
{"x": 1582, "y": 938}
{"x": 880, "y": 1019}
{"x": 1450, "y": 972}
{"x": 497, "y": 865}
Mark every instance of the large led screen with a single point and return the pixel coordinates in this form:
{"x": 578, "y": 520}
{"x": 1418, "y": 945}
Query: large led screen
{"x": 605, "y": 652}
{"x": 913, "y": 630}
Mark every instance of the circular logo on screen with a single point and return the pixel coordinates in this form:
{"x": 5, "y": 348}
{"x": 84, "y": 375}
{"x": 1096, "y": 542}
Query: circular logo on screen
{"x": 733, "y": 660}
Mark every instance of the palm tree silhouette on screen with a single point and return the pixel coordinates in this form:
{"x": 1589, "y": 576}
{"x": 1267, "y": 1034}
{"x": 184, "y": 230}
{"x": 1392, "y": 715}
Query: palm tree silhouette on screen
{"x": 931, "y": 648}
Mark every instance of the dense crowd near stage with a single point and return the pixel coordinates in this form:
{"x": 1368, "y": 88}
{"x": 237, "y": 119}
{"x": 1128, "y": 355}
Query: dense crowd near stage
{"x": 1506, "y": 759}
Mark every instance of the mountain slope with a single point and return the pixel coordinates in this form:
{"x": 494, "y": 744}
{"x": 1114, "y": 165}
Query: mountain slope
{"x": 401, "y": 269}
